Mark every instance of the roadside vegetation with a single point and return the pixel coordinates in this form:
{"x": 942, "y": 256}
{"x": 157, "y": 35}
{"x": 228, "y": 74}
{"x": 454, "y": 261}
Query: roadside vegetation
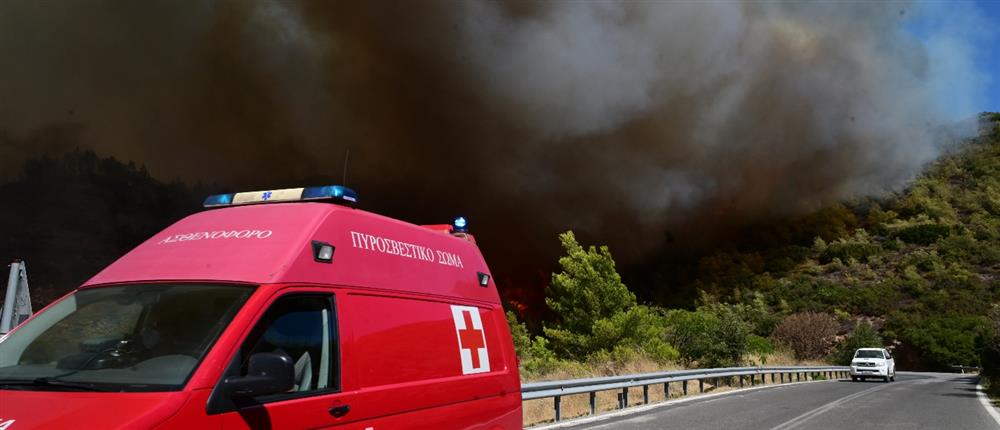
{"x": 916, "y": 272}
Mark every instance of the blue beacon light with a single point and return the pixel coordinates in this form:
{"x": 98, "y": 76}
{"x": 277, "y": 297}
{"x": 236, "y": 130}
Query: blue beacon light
{"x": 460, "y": 225}
{"x": 330, "y": 192}
{"x": 218, "y": 200}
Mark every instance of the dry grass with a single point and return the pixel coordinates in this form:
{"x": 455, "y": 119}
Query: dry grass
{"x": 541, "y": 411}
{"x": 782, "y": 358}
{"x": 593, "y": 370}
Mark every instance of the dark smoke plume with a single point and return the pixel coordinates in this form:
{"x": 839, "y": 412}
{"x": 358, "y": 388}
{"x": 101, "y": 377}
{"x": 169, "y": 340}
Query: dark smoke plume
{"x": 618, "y": 119}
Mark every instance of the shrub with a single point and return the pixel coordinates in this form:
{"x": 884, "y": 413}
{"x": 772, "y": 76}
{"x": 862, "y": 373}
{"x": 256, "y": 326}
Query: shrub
{"x": 948, "y": 340}
{"x": 519, "y": 334}
{"x": 534, "y": 355}
{"x": 858, "y": 247}
{"x": 760, "y": 346}
{"x": 849, "y": 250}
{"x": 710, "y": 338}
{"x": 863, "y": 336}
{"x": 989, "y": 358}
{"x": 922, "y": 234}
{"x": 808, "y": 334}
{"x": 640, "y": 329}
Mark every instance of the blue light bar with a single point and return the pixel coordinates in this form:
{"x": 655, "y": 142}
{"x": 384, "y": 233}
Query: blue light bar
{"x": 218, "y": 200}
{"x": 329, "y": 192}
{"x": 460, "y": 225}
{"x": 335, "y": 192}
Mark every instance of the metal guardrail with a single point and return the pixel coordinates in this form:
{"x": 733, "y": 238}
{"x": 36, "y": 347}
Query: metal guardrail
{"x": 557, "y": 389}
{"x": 962, "y": 369}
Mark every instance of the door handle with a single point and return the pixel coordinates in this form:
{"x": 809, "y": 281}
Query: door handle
{"x": 339, "y": 411}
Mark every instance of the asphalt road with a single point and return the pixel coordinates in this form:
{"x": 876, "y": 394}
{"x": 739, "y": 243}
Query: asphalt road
{"x": 914, "y": 401}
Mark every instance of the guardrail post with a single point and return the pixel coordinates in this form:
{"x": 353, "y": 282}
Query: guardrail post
{"x": 620, "y": 401}
{"x": 666, "y": 390}
{"x": 772, "y": 378}
{"x": 782, "y": 377}
{"x": 645, "y": 394}
{"x": 685, "y": 386}
{"x": 557, "y": 402}
{"x": 625, "y": 396}
{"x": 753, "y": 380}
{"x": 741, "y": 381}
{"x": 593, "y": 403}
{"x": 701, "y": 386}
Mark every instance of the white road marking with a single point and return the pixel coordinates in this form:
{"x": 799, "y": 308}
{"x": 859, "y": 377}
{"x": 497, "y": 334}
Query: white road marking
{"x": 985, "y": 401}
{"x": 799, "y": 420}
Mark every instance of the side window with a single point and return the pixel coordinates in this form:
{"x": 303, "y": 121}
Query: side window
{"x": 303, "y": 328}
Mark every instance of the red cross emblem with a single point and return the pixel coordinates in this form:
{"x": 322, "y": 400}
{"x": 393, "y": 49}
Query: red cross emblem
{"x": 471, "y": 339}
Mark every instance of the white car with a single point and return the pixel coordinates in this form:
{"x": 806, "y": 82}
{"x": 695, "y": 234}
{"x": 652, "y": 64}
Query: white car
{"x": 873, "y": 363}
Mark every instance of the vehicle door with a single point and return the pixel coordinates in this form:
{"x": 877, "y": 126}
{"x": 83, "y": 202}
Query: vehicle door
{"x": 302, "y": 325}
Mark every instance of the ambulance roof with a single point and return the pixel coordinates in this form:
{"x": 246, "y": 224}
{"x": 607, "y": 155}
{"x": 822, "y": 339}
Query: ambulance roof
{"x": 273, "y": 243}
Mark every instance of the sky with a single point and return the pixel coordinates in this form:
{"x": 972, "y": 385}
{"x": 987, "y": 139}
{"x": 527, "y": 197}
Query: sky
{"x": 990, "y": 60}
{"x": 946, "y": 27}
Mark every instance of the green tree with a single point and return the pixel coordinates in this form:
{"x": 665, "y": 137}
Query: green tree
{"x": 596, "y": 311}
{"x": 587, "y": 292}
{"x": 588, "y": 289}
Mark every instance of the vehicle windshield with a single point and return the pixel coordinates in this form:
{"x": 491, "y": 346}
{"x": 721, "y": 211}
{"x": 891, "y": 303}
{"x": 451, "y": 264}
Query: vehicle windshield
{"x": 868, "y": 353}
{"x": 127, "y": 338}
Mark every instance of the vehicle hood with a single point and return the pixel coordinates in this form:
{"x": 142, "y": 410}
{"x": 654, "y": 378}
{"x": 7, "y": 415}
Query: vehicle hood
{"x": 877, "y": 361}
{"x": 59, "y": 409}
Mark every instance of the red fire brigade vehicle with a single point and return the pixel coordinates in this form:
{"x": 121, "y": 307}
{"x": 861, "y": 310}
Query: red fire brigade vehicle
{"x": 281, "y": 309}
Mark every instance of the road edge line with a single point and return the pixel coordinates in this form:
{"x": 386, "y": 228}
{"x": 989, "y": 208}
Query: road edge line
{"x": 985, "y": 401}
{"x": 644, "y": 408}
{"x": 808, "y": 415}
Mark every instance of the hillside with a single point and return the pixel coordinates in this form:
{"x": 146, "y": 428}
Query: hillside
{"x": 916, "y": 271}
{"x": 921, "y": 266}
{"x": 68, "y": 216}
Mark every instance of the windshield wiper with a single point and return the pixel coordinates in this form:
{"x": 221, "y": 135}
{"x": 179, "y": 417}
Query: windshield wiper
{"x": 49, "y": 382}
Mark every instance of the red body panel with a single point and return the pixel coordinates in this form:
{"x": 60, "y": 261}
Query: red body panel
{"x": 372, "y": 251}
{"x": 395, "y": 287}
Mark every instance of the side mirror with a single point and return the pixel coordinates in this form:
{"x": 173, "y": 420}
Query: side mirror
{"x": 268, "y": 373}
